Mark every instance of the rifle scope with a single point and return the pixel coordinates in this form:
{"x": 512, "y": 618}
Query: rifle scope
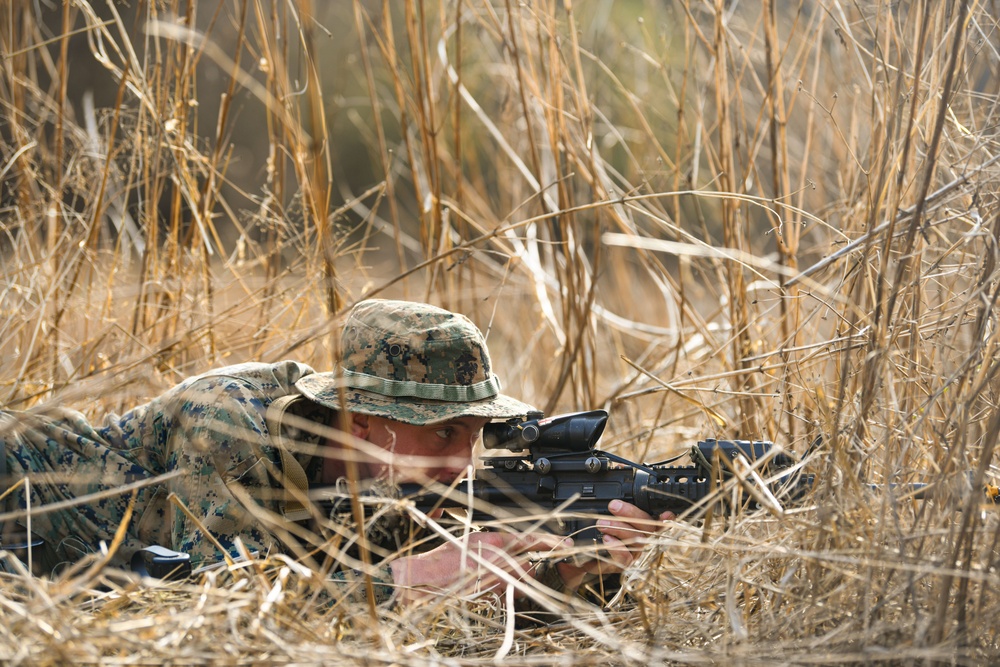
{"x": 574, "y": 432}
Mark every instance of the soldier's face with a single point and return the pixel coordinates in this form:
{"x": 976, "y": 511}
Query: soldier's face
{"x": 439, "y": 451}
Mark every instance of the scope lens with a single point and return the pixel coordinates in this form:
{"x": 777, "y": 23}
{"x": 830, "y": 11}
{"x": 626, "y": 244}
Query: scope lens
{"x": 497, "y": 435}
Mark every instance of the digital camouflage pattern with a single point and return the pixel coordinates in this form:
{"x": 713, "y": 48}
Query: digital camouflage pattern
{"x": 212, "y": 428}
{"x": 414, "y": 363}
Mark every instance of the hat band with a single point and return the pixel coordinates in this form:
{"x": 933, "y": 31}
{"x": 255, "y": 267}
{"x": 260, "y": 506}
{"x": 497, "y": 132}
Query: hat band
{"x": 425, "y": 390}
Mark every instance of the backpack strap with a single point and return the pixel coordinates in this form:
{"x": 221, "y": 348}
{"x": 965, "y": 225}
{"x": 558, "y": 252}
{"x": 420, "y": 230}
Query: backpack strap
{"x": 293, "y": 477}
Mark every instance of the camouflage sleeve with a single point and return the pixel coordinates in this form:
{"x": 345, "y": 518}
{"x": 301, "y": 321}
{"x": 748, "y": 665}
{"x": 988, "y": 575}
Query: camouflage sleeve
{"x": 218, "y": 437}
{"x": 64, "y": 458}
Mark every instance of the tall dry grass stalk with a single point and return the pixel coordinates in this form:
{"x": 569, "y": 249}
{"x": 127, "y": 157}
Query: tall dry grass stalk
{"x": 766, "y": 221}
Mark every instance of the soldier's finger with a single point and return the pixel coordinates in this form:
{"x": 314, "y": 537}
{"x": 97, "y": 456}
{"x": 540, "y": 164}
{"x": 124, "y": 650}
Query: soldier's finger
{"x": 622, "y": 530}
{"x": 541, "y": 542}
{"x": 619, "y": 553}
{"x": 628, "y": 511}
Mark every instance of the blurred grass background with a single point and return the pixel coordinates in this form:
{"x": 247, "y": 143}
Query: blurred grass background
{"x": 760, "y": 220}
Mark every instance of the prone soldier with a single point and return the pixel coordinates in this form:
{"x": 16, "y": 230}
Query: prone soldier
{"x": 227, "y": 458}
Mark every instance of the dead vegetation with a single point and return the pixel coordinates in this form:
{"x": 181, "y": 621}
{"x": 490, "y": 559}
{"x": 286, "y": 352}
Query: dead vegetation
{"x": 763, "y": 220}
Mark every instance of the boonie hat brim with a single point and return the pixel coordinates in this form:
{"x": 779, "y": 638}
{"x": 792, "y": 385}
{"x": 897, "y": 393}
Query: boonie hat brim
{"x": 326, "y": 389}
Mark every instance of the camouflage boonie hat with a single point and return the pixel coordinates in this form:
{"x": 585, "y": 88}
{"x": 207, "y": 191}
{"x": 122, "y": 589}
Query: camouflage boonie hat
{"x": 414, "y": 363}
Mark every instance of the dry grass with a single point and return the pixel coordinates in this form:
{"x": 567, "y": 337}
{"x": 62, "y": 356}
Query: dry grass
{"x": 784, "y": 213}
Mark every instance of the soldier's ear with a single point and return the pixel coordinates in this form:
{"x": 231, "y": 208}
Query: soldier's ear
{"x": 360, "y": 426}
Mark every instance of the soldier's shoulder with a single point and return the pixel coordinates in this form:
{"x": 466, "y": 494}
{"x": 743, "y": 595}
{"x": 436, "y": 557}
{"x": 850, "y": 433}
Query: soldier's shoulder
{"x": 252, "y": 382}
{"x": 280, "y": 376}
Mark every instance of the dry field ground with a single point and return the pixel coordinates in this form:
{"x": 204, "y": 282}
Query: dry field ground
{"x": 764, "y": 220}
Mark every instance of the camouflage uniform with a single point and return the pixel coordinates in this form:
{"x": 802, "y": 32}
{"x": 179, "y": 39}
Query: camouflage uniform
{"x": 211, "y": 427}
{"x": 410, "y": 362}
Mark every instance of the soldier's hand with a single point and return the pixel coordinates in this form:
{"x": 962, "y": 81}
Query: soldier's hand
{"x": 624, "y": 537}
{"x": 460, "y": 569}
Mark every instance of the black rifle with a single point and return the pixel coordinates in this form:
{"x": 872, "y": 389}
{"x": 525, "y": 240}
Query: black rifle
{"x": 558, "y": 480}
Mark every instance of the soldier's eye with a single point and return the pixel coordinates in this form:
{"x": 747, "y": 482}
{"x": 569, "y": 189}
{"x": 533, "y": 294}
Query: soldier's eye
{"x": 445, "y": 433}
